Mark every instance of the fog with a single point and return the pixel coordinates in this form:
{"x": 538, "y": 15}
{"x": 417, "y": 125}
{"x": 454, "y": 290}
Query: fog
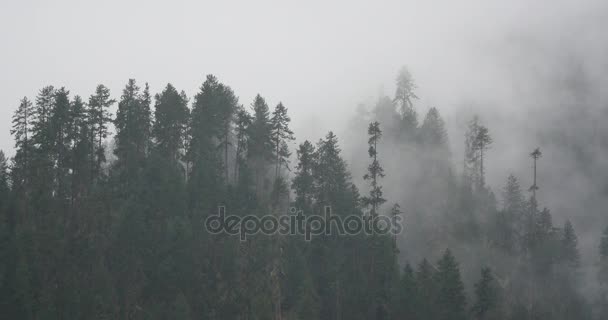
{"x": 535, "y": 72}
{"x": 520, "y": 65}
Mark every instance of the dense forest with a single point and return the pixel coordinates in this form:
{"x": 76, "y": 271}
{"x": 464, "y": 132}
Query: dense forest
{"x": 102, "y": 216}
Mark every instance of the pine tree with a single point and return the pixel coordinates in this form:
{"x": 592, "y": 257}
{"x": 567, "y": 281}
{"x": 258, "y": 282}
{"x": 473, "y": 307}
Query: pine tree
{"x": 426, "y": 285}
{"x": 281, "y": 134}
{"x": 132, "y": 130}
{"x": 374, "y": 170}
{"x": 404, "y": 96}
{"x": 406, "y": 300}
{"x": 432, "y": 130}
{"x": 82, "y": 149}
{"x": 170, "y": 121}
{"x": 510, "y": 220}
{"x": 61, "y": 146}
{"x": 451, "y": 299}
{"x": 481, "y": 144}
{"x": 242, "y": 122}
{"x": 22, "y": 126}
{"x": 486, "y": 293}
{"x": 569, "y": 244}
{"x": 41, "y": 128}
{"x": 477, "y": 141}
{"x": 303, "y": 182}
{"x": 332, "y": 179}
{"x": 206, "y": 180}
{"x": 260, "y": 147}
{"x": 228, "y": 107}
{"x": 99, "y": 117}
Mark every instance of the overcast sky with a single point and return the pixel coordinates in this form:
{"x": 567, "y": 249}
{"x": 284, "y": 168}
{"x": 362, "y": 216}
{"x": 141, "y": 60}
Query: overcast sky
{"x": 321, "y": 58}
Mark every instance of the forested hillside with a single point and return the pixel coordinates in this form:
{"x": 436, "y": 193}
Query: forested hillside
{"x": 103, "y": 215}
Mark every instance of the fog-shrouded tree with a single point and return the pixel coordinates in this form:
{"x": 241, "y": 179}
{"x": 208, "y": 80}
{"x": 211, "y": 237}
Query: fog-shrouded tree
{"x": 432, "y": 131}
{"x": 21, "y": 131}
{"x": 99, "y": 118}
{"x": 260, "y": 146}
{"x": 477, "y": 142}
{"x": 569, "y": 243}
{"x": 281, "y": 135}
{"x": 303, "y": 182}
{"x": 241, "y": 131}
{"x": 487, "y": 296}
{"x": 75, "y": 244}
{"x": 426, "y": 286}
{"x": 404, "y": 97}
{"x": 451, "y": 298}
{"x": 374, "y": 171}
{"x": 132, "y": 125}
{"x": 170, "y": 121}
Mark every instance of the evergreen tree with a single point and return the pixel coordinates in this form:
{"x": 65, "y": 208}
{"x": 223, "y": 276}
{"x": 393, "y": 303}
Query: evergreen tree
{"x": 569, "y": 244}
{"x": 406, "y": 300}
{"x": 22, "y": 126}
{"x": 206, "y": 178}
{"x": 487, "y": 296}
{"x": 260, "y": 146}
{"x": 451, "y": 299}
{"x": 374, "y": 170}
{"x": 82, "y": 150}
{"x": 303, "y": 182}
{"x": 426, "y": 284}
{"x": 61, "y": 146}
{"x": 242, "y": 122}
{"x": 510, "y": 220}
{"x": 99, "y": 117}
{"x": 404, "y": 96}
{"x": 170, "y": 121}
{"x": 481, "y": 144}
{"x": 432, "y": 130}
{"x": 281, "y": 134}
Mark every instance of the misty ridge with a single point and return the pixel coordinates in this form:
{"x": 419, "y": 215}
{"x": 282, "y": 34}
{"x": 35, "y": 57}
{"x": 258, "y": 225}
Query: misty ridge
{"x": 479, "y": 126}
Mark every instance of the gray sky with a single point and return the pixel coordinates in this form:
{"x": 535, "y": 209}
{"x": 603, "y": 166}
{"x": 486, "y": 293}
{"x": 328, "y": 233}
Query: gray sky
{"x": 321, "y": 58}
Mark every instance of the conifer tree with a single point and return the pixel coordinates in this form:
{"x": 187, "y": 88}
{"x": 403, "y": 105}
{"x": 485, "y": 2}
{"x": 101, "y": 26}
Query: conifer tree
{"x": 569, "y": 242}
{"x": 206, "y": 176}
{"x": 228, "y": 107}
{"x": 451, "y": 299}
{"x": 60, "y": 130}
{"x": 260, "y": 146}
{"x": 22, "y": 126}
{"x": 487, "y": 296}
{"x": 281, "y": 134}
{"x": 242, "y": 122}
{"x": 82, "y": 149}
{"x": 432, "y": 130}
{"x": 374, "y": 170}
{"x": 426, "y": 285}
{"x": 332, "y": 179}
{"x": 404, "y": 96}
{"x": 481, "y": 144}
{"x": 42, "y": 117}
{"x": 407, "y": 299}
{"x": 511, "y": 219}
{"x": 303, "y": 182}
{"x": 99, "y": 117}
{"x": 170, "y": 121}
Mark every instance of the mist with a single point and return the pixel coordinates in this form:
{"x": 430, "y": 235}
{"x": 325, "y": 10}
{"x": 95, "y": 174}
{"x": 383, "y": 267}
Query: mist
{"x": 534, "y": 73}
